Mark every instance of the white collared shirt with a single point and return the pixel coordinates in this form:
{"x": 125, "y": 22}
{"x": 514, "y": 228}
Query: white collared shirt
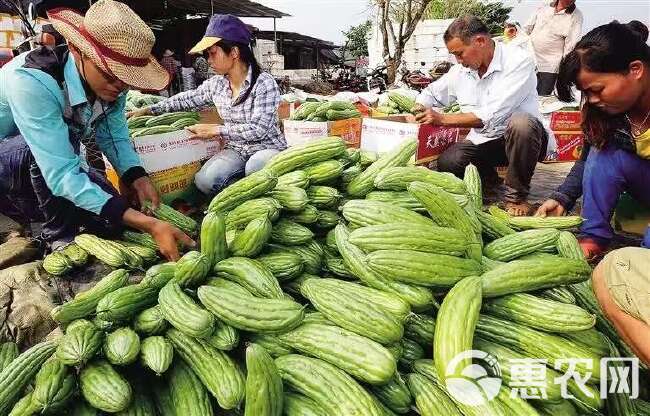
{"x": 508, "y": 86}
{"x": 553, "y": 35}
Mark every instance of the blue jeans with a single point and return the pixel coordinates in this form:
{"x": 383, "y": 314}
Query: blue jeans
{"x": 228, "y": 166}
{"x": 608, "y": 173}
{"x": 25, "y": 196}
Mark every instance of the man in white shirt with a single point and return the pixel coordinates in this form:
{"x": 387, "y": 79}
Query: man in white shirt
{"x": 495, "y": 86}
{"x": 554, "y": 30}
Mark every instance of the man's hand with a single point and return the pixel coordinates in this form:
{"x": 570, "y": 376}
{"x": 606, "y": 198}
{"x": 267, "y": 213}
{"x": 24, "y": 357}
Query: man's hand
{"x": 429, "y": 116}
{"x": 550, "y": 208}
{"x": 141, "y": 112}
{"x": 203, "y": 131}
{"x": 145, "y": 191}
{"x": 417, "y": 108}
{"x": 167, "y": 237}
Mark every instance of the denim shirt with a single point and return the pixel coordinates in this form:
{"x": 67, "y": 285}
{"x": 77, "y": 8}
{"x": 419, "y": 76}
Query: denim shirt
{"x": 42, "y": 97}
{"x": 571, "y": 189}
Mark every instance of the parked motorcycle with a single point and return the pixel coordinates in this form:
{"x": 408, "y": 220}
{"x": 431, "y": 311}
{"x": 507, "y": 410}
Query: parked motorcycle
{"x": 348, "y": 80}
{"x": 377, "y": 79}
{"x": 417, "y": 79}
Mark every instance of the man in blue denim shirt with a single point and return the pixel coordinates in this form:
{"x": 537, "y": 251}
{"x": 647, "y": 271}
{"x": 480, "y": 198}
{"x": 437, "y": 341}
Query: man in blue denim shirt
{"x": 54, "y": 103}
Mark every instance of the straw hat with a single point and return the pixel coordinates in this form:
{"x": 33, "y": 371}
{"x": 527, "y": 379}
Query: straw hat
{"x": 116, "y": 40}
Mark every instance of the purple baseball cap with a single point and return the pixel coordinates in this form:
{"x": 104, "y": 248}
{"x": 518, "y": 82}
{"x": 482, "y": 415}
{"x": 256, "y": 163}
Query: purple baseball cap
{"x": 226, "y": 27}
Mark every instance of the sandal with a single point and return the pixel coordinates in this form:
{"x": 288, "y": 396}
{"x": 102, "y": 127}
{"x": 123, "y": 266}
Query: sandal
{"x": 519, "y": 209}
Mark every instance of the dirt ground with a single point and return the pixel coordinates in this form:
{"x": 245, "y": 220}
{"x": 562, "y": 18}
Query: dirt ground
{"x": 547, "y": 178}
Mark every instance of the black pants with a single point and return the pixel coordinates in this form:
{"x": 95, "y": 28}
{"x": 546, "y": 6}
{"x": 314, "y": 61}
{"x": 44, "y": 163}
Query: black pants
{"x": 523, "y": 145}
{"x": 546, "y": 83}
{"x": 25, "y": 197}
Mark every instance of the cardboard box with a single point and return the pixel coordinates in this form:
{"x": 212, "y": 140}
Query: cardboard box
{"x": 286, "y": 109}
{"x": 569, "y": 147}
{"x": 563, "y": 121}
{"x": 384, "y": 134}
{"x": 299, "y": 132}
{"x": 171, "y": 159}
{"x": 349, "y": 130}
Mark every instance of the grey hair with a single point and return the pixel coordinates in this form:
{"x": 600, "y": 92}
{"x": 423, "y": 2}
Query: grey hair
{"x": 465, "y": 28}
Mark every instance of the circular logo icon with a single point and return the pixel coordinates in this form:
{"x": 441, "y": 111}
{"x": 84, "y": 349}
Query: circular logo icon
{"x": 477, "y": 381}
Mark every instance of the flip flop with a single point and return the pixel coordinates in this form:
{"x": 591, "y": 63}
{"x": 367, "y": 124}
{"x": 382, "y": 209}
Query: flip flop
{"x": 516, "y": 212}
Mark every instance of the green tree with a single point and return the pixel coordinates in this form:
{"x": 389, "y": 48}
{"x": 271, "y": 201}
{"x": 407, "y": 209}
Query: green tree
{"x": 493, "y": 13}
{"x": 356, "y": 39}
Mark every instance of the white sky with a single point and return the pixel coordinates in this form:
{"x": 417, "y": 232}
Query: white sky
{"x": 325, "y": 19}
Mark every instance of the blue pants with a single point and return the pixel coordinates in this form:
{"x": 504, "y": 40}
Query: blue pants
{"x": 608, "y": 173}
{"x": 228, "y": 166}
{"x": 25, "y": 197}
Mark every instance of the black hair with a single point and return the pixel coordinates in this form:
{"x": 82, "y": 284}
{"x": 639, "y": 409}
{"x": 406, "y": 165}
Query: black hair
{"x": 510, "y": 24}
{"x": 568, "y": 10}
{"x": 246, "y": 55}
{"x": 465, "y": 28}
{"x": 607, "y": 49}
{"x": 640, "y": 29}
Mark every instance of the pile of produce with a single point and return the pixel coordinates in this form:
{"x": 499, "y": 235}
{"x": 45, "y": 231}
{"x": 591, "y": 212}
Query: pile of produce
{"x": 397, "y": 103}
{"x": 164, "y": 123}
{"x": 332, "y": 282}
{"x": 325, "y": 111}
{"x": 136, "y": 100}
{"x": 452, "y": 109}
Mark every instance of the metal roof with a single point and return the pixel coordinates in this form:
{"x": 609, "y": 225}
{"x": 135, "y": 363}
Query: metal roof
{"x": 293, "y": 37}
{"x": 161, "y": 9}
{"x": 242, "y": 8}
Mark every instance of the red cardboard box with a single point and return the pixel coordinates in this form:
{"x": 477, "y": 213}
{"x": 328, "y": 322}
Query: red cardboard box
{"x": 384, "y": 134}
{"x": 569, "y": 147}
{"x": 563, "y": 121}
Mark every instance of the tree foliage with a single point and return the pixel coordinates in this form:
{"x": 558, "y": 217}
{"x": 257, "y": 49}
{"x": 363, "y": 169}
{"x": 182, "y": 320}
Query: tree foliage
{"x": 493, "y": 13}
{"x": 356, "y": 39}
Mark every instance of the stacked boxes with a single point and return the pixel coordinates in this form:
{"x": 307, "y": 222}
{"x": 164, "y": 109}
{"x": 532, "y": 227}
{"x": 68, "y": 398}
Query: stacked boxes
{"x": 566, "y": 126}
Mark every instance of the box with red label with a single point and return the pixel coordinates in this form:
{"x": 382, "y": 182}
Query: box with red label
{"x": 299, "y": 131}
{"x": 171, "y": 160}
{"x": 569, "y": 147}
{"x": 566, "y": 121}
{"x": 384, "y": 134}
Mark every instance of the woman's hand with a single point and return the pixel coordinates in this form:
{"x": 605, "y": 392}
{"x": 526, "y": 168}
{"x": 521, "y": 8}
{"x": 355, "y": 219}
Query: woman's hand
{"x": 203, "y": 131}
{"x": 550, "y": 208}
{"x": 145, "y": 191}
{"x": 141, "y": 112}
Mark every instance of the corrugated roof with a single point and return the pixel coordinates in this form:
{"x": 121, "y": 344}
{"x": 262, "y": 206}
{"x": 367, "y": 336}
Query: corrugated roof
{"x": 243, "y": 8}
{"x": 160, "y": 9}
{"x": 298, "y": 38}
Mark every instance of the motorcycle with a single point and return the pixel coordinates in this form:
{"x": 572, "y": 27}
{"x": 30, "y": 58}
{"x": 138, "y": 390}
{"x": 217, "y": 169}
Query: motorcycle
{"x": 417, "y": 79}
{"x": 348, "y": 80}
{"x": 377, "y": 79}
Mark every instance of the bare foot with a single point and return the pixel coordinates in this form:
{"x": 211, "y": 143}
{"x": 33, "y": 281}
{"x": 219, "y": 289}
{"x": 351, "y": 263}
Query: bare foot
{"x": 519, "y": 209}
